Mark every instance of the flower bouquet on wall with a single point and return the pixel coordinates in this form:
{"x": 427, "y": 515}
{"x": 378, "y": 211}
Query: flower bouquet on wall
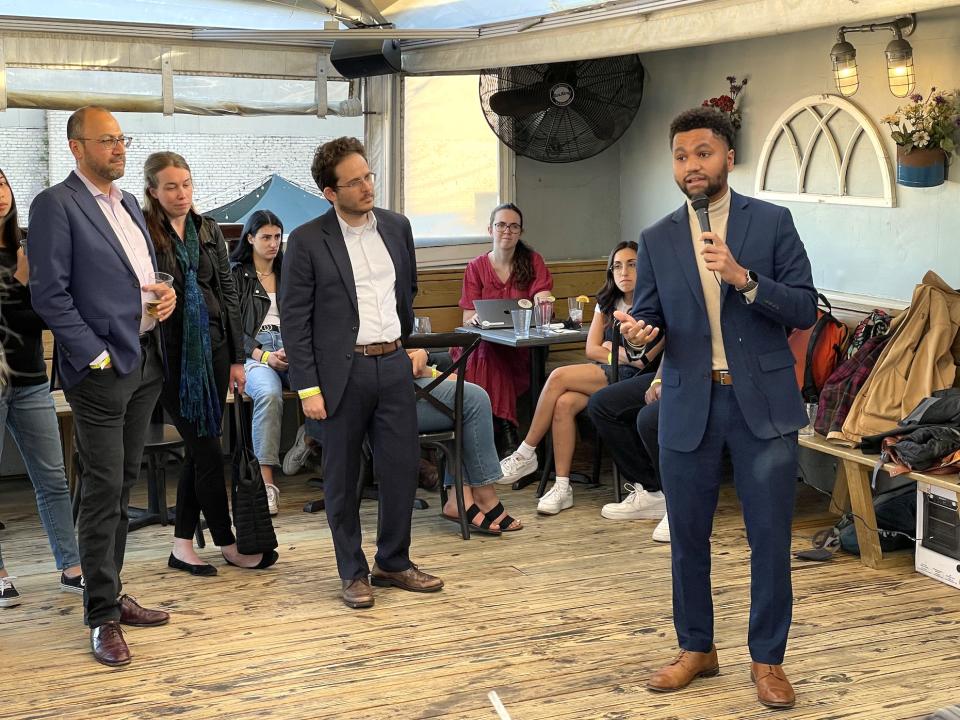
{"x": 728, "y": 103}
{"x": 925, "y": 132}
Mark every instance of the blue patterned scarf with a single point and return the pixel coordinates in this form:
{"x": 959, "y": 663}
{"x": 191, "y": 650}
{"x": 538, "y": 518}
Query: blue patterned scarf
{"x": 198, "y": 391}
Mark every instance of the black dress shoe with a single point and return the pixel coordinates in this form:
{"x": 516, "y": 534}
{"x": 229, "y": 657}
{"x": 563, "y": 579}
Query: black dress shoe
{"x": 178, "y": 564}
{"x": 268, "y": 559}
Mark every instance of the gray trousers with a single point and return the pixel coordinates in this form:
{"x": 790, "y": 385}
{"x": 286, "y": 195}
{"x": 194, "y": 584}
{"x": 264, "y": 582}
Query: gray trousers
{"x": 111, "y": 414}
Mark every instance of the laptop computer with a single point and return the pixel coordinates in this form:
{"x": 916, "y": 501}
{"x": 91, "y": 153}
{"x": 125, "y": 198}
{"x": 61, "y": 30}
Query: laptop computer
{"x": 496, "y": 313}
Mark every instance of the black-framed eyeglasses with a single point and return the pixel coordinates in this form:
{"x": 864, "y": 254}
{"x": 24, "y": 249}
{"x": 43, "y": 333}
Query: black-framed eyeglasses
{"x": 110, "y": 142}
{"x": 357, "y": 182}
{"x": 504, "y": 227}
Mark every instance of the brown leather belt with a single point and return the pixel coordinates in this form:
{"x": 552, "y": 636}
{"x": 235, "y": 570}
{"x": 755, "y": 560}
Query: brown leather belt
{"x": 384, "y": 348}
{"x": 722, "y": 376}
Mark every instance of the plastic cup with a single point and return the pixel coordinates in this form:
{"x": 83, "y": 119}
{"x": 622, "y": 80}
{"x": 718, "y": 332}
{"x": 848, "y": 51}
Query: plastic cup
{"x": 575, "y": 308}
{"x": 521, "y": 322}
{"x": 421, "y": 326}
{"x": 811, "y": 409}
{"x": 157, "y": 278}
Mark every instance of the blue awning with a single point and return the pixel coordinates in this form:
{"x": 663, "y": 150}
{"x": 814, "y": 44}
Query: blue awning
{"x": 291, "y": 203}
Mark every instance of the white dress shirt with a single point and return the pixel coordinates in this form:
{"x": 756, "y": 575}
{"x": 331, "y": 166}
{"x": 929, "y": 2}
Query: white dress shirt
{"x": 375, "y": 278}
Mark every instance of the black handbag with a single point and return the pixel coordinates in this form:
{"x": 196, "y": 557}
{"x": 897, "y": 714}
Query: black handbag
{"x": 251, "y": 515}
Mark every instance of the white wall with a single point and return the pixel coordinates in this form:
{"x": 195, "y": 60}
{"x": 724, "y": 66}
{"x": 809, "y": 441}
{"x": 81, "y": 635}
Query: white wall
{"x": 571, "y": 210}
{"x": 869, "y": 251}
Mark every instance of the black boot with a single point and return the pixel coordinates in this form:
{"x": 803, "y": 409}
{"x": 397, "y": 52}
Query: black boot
{"x": 505, "y": 437}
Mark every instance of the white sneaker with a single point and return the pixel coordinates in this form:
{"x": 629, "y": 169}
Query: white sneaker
{"x": 9, "y": 597}
{"x": 297, "y": 455}
{"x": 515, "y": 467}
{"x": 661, "y": 533}
{"x": 638, "y": 505}
{"x": 273, "y": 498}
{"x": 555, "y": 500}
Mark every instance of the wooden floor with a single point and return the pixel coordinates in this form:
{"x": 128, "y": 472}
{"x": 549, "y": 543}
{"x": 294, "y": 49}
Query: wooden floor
{"x": 564, "y": 620}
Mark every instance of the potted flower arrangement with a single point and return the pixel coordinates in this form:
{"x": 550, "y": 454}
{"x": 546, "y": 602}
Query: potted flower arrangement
{"x": 727, "y": 103}
{"x": 925, "y": 132}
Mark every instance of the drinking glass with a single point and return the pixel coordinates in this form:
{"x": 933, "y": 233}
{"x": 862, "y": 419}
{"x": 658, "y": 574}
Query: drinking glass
{"x": 521, "y": 322}
{"x": 421, "y": 325}
{"x": 576, "y": 310}
{"x": 157, "y": 278}
{"x": 543, "y": 315}
{"x": 811, "y": 409}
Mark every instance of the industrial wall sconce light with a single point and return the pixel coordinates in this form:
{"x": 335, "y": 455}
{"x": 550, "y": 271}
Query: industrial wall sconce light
{"x": 900, "y": 74}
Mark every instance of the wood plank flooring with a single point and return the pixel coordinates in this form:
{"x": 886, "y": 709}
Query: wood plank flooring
{"x": 564, "y": 619}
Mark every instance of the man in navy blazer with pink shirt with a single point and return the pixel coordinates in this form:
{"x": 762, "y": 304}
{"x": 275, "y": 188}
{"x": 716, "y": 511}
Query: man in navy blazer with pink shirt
{"x": 725, "y": 301}
{"x": 91, "y": 265}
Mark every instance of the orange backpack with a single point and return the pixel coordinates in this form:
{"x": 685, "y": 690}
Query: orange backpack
{"x": 818, "y": 350}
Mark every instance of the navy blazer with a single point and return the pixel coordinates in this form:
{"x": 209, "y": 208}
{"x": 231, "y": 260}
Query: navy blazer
{"x": 669, "y": 294}
{"x": 81, "y": 281}
{"x": 318, "y": 295}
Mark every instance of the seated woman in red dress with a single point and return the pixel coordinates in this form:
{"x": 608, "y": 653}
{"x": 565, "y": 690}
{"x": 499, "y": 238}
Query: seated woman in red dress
{"x": 510, "y": 270}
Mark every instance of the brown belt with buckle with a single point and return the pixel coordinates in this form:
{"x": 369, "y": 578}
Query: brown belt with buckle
{"x": 722, "y": 376}
{"x": 384, "y": 348}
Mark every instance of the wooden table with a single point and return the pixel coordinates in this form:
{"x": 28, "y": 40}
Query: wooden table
{"x": 853, "y": 488}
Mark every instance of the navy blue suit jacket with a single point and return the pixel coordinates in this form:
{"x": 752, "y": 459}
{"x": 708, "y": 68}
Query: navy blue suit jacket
{"x": 318, "y": 295}
{"x": 669, "y": 294}
{"x": 81, "y": 282}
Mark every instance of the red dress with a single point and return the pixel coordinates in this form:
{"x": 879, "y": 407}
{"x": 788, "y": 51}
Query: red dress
{"x": 502, "y": 371}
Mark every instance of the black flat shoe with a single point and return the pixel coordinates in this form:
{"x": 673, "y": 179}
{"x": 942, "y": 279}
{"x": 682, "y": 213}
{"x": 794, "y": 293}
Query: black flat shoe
{"x": 268, "y": 559}
{"x": 203, "y": 570}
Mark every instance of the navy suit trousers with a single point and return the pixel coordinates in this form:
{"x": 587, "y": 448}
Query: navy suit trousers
{"x": 379, "y": 403}
{"x": 765, "y": 475}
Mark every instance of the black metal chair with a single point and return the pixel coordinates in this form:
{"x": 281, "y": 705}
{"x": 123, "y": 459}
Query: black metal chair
{"x": 440, "y": 441}
{"x": 594, "y": 480}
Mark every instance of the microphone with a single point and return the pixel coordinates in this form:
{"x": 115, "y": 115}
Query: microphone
{"x": 700, "y": 203}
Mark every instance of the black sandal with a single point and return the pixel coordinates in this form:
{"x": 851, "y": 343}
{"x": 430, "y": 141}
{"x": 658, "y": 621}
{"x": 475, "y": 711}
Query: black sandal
{"x": 483, "y": 528}
{"x": 504, "y": 522}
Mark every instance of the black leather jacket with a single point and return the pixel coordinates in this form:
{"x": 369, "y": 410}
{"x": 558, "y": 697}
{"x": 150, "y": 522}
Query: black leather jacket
{"x": 214, "y": 247}
{"x": 254, "y": 301}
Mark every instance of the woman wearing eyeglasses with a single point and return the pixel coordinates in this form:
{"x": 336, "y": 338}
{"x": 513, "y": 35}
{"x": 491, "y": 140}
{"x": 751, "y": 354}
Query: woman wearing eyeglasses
{"x": 568, "y": 388}
{"x": 26, "y": 406}
{"x": 204, "y": 351}
{"x": 510, "y": 270}
{"x": 257, "y": 260}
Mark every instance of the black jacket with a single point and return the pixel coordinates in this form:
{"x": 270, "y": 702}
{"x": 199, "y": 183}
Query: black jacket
{"x": 254, "y": 301}
{"x": 319, "y": 299}
{"x": 214, "y": 248}
{"x": 20, "y": 327}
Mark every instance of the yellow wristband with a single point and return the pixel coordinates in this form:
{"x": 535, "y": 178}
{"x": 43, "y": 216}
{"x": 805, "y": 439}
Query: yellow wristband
{"x": 102, "y": 364}
{"x": 434, "y": 372}
{"x": 308, "y": 393}
{"x": 610, "y": 358}
{"x": 656, "y": 381}
{"x": 264, "y": 354}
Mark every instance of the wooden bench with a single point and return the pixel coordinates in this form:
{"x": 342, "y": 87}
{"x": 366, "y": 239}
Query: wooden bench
{"x": 852, "y": 489}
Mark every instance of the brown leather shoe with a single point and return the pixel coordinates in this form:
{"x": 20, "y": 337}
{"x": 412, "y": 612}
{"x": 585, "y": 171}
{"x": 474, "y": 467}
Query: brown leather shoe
{"x": 357, "y": 593}
{"x": 131, "y": 613}
{"x": 411, "y": 579}
{"x": 108, "y": 645}
{"x": 686, "y": 668}
{"x": 773, "y": 688}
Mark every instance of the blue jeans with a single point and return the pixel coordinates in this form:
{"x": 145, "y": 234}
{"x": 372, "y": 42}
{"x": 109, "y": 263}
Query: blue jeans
{"x": 265, "y": 385}
{"x": 29, "y": 415}
{"x": 481, "y": 465}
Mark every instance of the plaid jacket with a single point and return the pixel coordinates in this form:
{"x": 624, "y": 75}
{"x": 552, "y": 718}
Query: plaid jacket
{"x": 842, "y": 387}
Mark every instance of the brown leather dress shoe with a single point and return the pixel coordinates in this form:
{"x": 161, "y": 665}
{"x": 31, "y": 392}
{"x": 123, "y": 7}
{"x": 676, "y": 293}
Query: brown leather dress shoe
{"x": 108, "y": 645}
{"x": 411, "y": 579}
{"x": 131, "y": 613}
{"x": 357, "y": 593}
{"x": 686, "y": 668}
{"x": 773, "y": 688}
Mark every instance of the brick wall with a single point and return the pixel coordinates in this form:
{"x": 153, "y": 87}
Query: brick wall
{"x": 23, "y": 158}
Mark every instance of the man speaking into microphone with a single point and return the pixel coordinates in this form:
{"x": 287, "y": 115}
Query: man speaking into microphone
{"x": 724, "y": 283}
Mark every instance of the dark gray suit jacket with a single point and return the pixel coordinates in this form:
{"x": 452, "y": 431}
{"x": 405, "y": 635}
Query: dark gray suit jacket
{"x": 319, "y": 299}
